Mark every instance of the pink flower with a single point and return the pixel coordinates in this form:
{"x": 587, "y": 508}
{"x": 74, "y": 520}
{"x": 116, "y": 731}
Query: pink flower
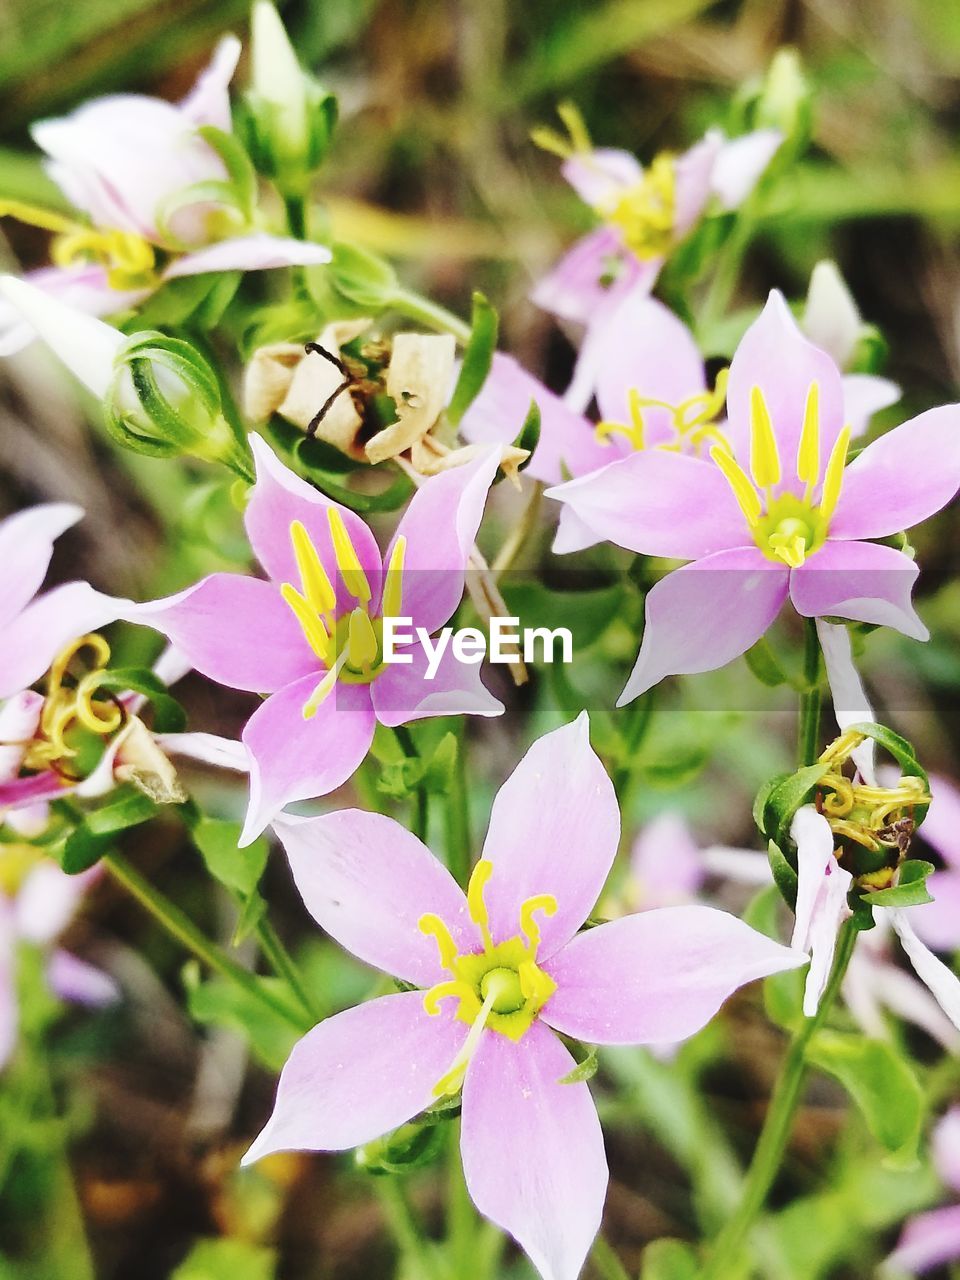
{"x": 774, "y": 513}
{"x": 938, "y": 922}
{"x": 503, "y": 967}
{"x": 933, "y": 1239}
{"x": 129, "y": 164}
{"x": 644, "y": 215}
{"x": 311, "y": 635}
{"x": 668, "y": 867}
{"x": 36, "y": 906}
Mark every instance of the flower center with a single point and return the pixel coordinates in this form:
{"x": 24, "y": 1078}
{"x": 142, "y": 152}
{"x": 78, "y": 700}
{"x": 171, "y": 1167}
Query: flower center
{"x": 74, "y": 721}
{"x": 644, "y": 214}
{"x": 694, "y": 420}
{"x": 127, "y": 258}
{"x": 784, "y": 526}
{"x": 350, "y": 643}
{"x": 501, "y": 987}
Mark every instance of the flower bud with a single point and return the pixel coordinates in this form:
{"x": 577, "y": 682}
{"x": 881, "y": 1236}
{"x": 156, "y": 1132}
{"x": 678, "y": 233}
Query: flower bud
{"x": 287, "y": 117}
{"x": 781, "y": 100}
{"x": 164, "y": 400}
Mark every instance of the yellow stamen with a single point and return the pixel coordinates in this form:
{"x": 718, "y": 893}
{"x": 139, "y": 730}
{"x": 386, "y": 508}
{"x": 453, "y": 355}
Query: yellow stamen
{"x": 455, "y": 989}
{"x": 323, "y": 689}
{"x": 764, "y": 454}
{"x": 808, "y": 454}
{"x": 475, "y": 902}
{"x": 744, "y": 492}
{"x": 544, "y": 902}
{"x": 362, "y": 647}
{"x": 393, "y": 581}
{"x": 313, "y": 628}
{"x": 33, "y": 215}
{"x": 452, "y": 1079}
{"x": 348, "y": 562}
{"x": 434, "y": 927}
{"x": 316, "y": 583}
{"x": 833, "y": 478}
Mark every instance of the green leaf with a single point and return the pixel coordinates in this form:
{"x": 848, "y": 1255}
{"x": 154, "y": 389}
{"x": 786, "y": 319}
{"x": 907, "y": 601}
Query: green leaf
{"x": 585, "y": 1069}
{"x": 880, "y": 1082}
{"x": 785, "y": 798}
{"x": 363, "y": 277}
{"x": 910, "y": 889}
{"x": 98, "y": 830}
{"x": 238, "y": 869}
{"x": 168, "y": 715}
{"x": 785, "y": 877}
{"x": 477, "y": 358}
{"x": 224, "y": 1004}
{"x": 669, "y": 1260}
{"x": 528, "y": 437}
{"x": 389, "y": 499}
{"x": 253, "y": 910}
{"x": 411, "y": 1146}
{"x": 902, "y": 751}
{"x": 238, "y": 165}
{"x": 765, "y": 664}
{"x": 227, "y": 1260}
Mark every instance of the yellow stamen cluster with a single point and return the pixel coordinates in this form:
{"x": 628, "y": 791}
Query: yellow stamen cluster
{"x": 694, "y": 419}
{"x": 347, "y": 643}
{"x": 501, "y": 987}
{"x": 646, "y": 212}
{"x": 128, "y": 259}
{"x": 70, "y": 705}
{"x": 784, "y": 526}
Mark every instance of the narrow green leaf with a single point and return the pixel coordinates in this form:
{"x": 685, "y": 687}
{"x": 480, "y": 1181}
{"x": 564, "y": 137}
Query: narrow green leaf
{"x": 477, "y": 358}
{"x": 910, "y": 889}
{"x": 669, "y": 1260}
{"x": 586, "y": 1069}
{"x": 765, "y": 664}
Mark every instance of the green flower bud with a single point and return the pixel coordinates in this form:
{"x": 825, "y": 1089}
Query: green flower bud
{"x": 780, "y": 100}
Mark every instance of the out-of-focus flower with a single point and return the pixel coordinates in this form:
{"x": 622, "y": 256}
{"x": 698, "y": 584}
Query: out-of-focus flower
{"x": 156, "y": 192}
{"x": 503, "y": 967}
{"x": 312, "y": 635}
{"x": 775, "y": 512}
{"x": 933, "y": 1239}
{"x": 668, "y": 866}
{"x": 645, "y": 214}
{"x": 37, "y": 902}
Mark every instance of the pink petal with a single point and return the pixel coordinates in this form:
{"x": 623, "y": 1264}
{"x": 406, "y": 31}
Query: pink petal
{"x": 367, "y": 881}
{"x": 48, "y": 901}
{"x": 775, "y": 356}
{"x": 208, "y": 748}
{"x": 928, "y": 1240}
{"x": 296, "y": 759}
{"x": 810, "y": 832}
{"x": 902, "y": 478}
{"x": 208, "y": 102}
{"x": 358, "y": 1075}
{"x": 83, "y": 288}
{"x": 402, "y": 693}
{"x": 850, "y": 703}
{"x": 694, "y": 180}
{"x": 257, "y": 252}
{"x": 592, "y": 276}
{"x": 941, "y": 826}
{"x": 573, "y": 534}
{"x": 907, "y": 998}
{"x": 740, "y": 163}
{"x": 23, "y": 795}
{"x": 654, "y": 353}
{"x": 665, "y": 863}
{"x": 76, "y": 981}
{"x": 822, "y": 889}
{"x": 278, "y": 499}
{"x": 658, "y": 503}
{"x": 532, "y": 1149}
{"x": 942, "y": 982}
{"x": 946, "y": 1148}
{"x": 600, "y": 175}
{"x": 30, "y": 643}
{"x": 604, "y": 326}
{"x": 19, "y": 721}
{"x": 657, "y": 976}
{"x": 554, "y": 828}
{"x": 26, "y": 546}
{"x": 937, "y": 923}
{"x": 705, "y": 614}
{"x": 440, "y": 526}
{"x": 567, "y": 439}
{"x": 863, "y": 396}
{"x": 863, "y": 581}
{"x": 236, "y": 630}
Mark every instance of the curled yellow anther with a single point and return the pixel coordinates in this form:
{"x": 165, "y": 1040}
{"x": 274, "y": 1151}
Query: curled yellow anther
{"x": 544, "y": 902}
{"x": 431, "y": 925}
{"x": 476, "y": 905}
{"x": 454, "y": 989}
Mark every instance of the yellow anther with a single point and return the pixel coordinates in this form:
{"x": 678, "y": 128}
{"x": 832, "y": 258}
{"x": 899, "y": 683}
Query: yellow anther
{"x": 764, "y": 454}
{"x": 452, "y": 1079}
{"x": 746, "y": 495}
{"x": 34, "y": 215}
{"x": 544, "y": 902}
{"x": 455, "y": 989}
{"x": 431, "y": 925}
{"x": 348, "y": 562}
{"x": 316, "y": 582}
{"x": 475, "y": 902}
{"x": 808, "y": 454}
{"x": 313, "y": 629}
{"x": 324, "y": 688}
{"x": 393, "y": 581}
{"x": 833, "y": 477}
{"x": 645, "y": 212}
{"x": 362, "y": 647}
{"x": 569, "y": 113}
{"x": 535, "y": 984}
{"x": 102, "y": 718}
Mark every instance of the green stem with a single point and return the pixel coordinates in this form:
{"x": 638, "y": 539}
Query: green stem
{"x": 768, "y": 1155}
{"x": 461, "y": 1218}
{"x": 296, "y": 211}
{"x": 458, "y": 815}
{"x": 421, "y": 804}
{"x": 285, "y": 967}
{"x": 635, "y": 730}
{"x": 809, "y": 735}
{"x": 431, "y": 314}
{"x": 605, "y": 1261}
{"x": 727, "y": 273}
{"x": 181, "y": 927}
{"x": 406, "y": 1230}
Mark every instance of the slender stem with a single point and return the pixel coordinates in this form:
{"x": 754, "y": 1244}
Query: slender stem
{"x": 810, "y": 699}
{"x": 635, "y": 730}
{"x": 406, "y": 1230}
{"x": 776, "y": 1130}
{"x": 296, "y": 210}
{"x": 461, "y": 1218}
{"x": 421, "y": 804}
{"x": 605, "y": 1261}
{"x": 458, "y": 814}
{"x": 181, "y": 927}
{"x": 522, "y": 530}
{"x": 727, "y": 273}
{"x": 285, "y": 967}
{"x": 431, "y": 314}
